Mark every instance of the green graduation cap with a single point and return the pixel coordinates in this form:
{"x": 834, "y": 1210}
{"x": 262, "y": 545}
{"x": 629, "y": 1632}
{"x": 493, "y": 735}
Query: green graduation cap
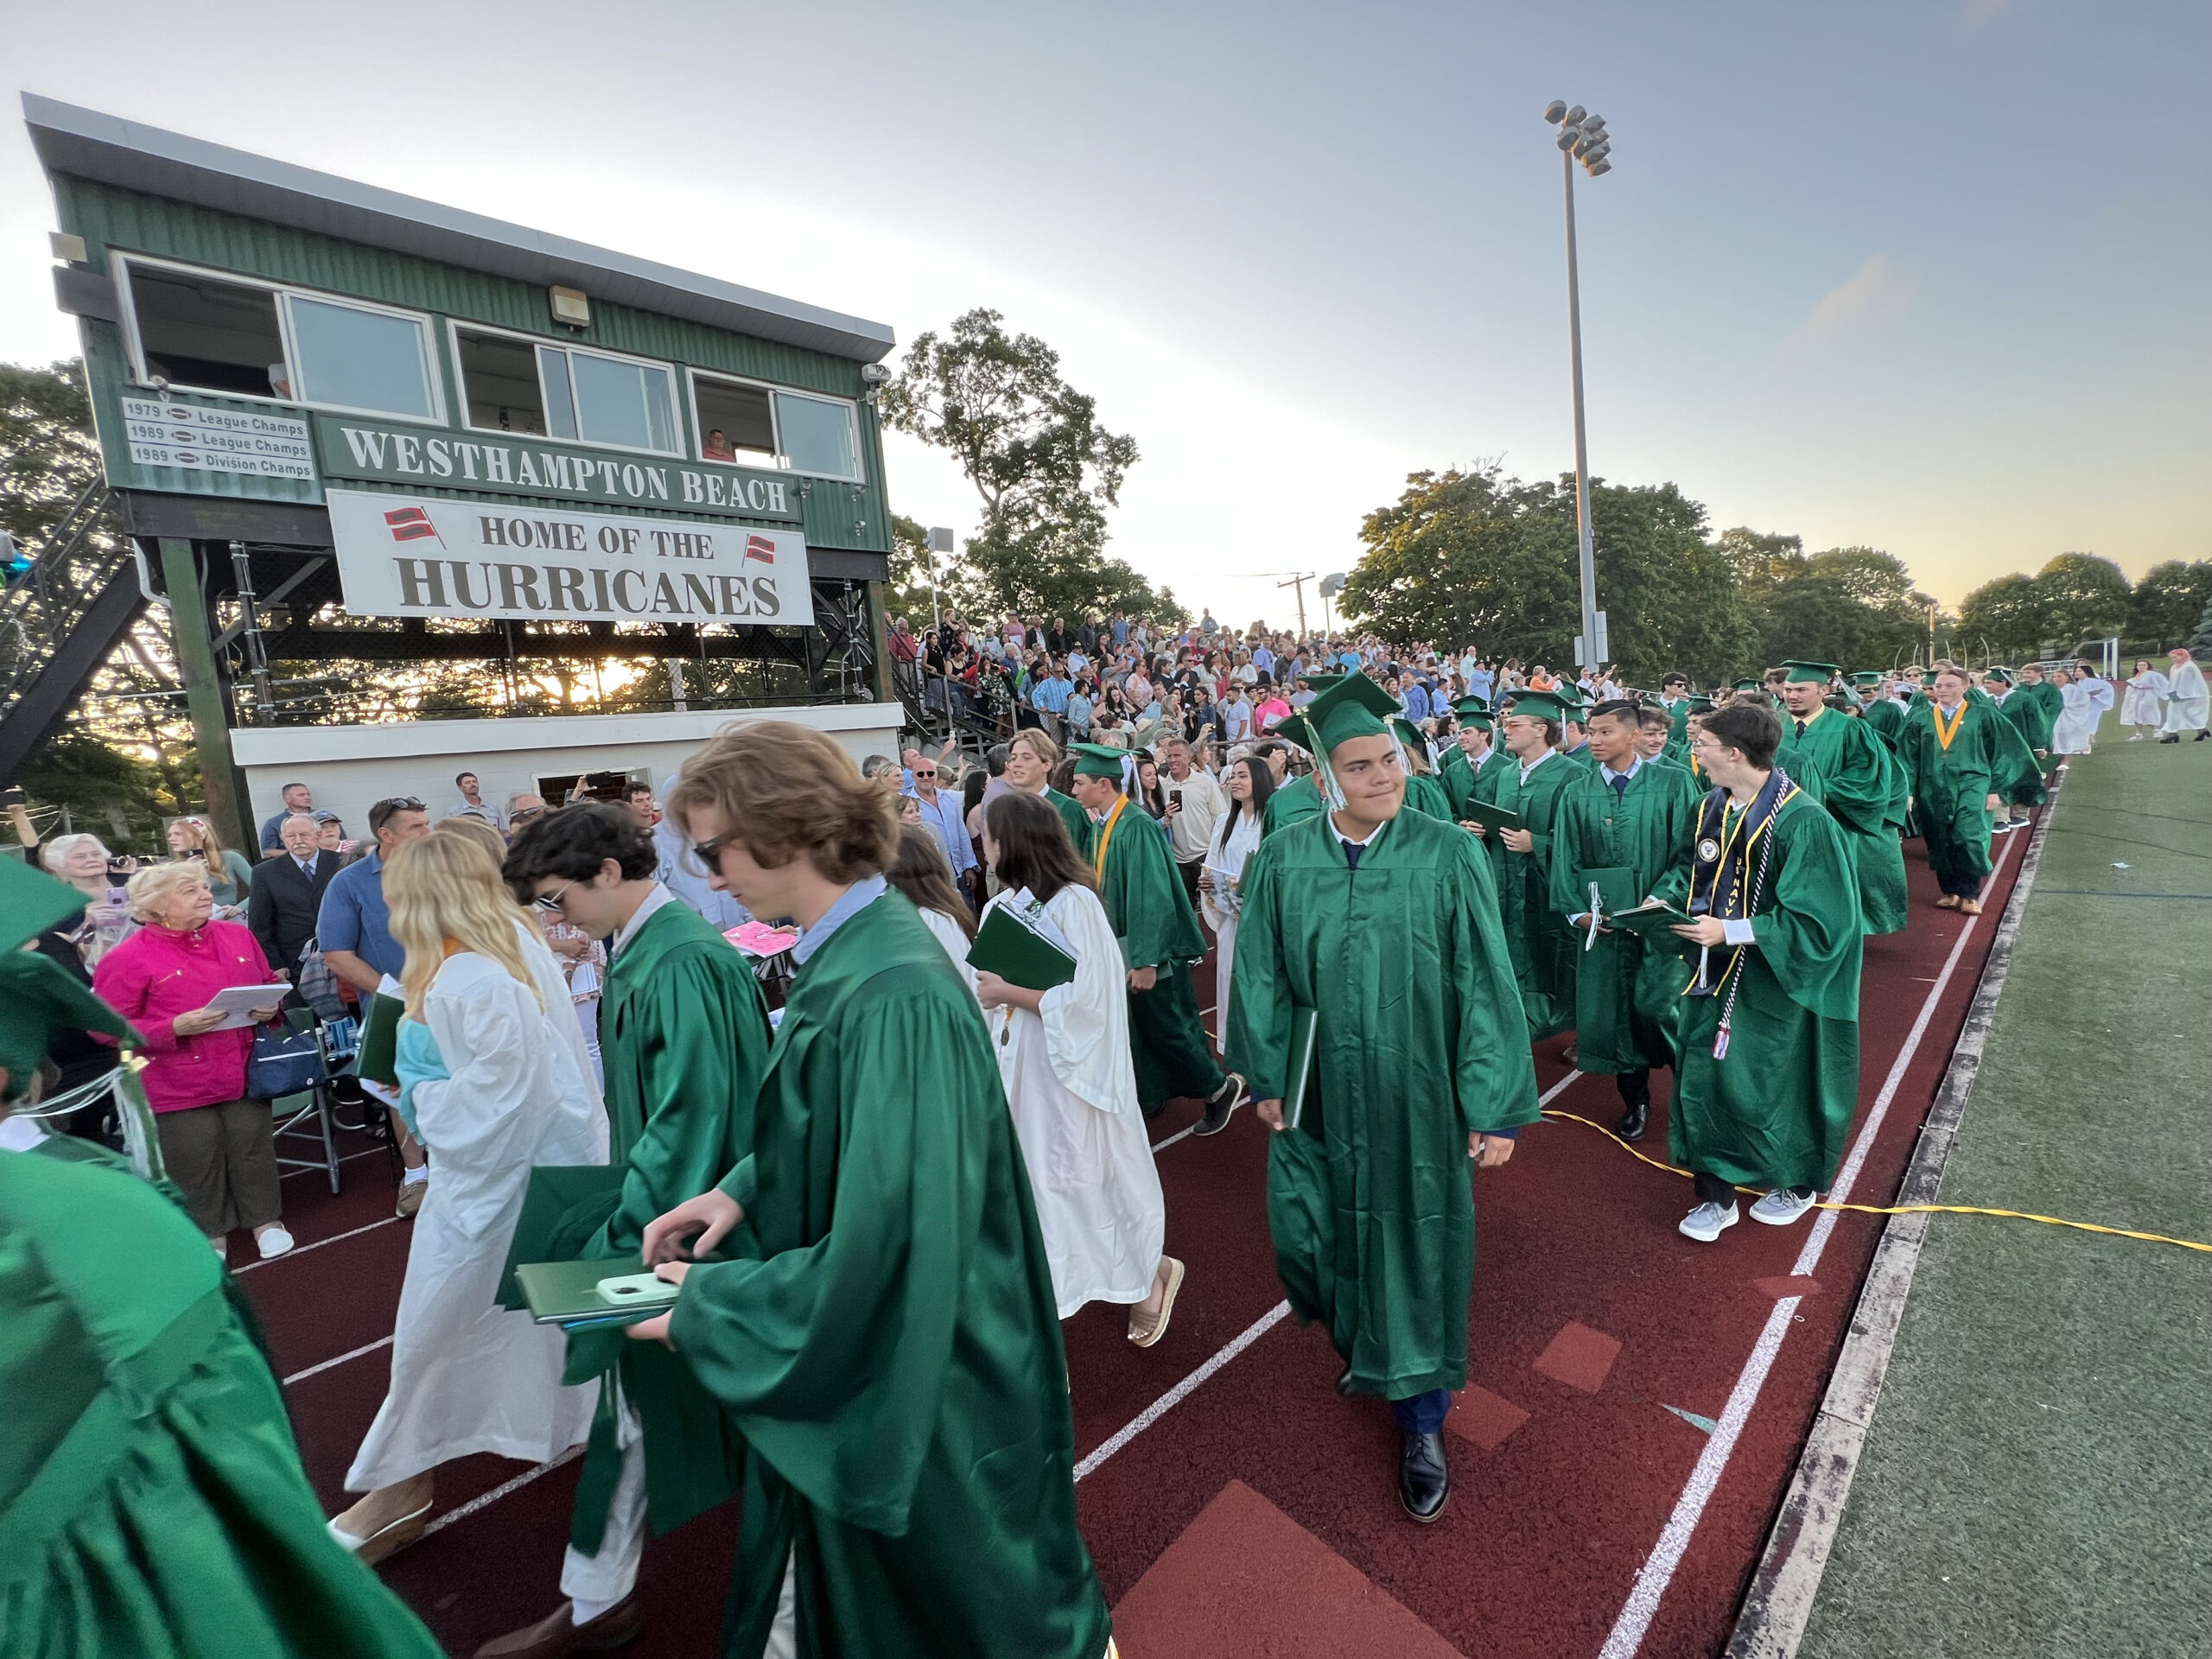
{"x": 1468, "y": 707}
{"x": 1868, "y": 676}
{"x": 1811, "y": 673}
{"x": 37, "y": 998}
{"x": 1541, "y": 705}
{"x": 1749, "y": 685}
{"x": 1411, "y": 736}
{"x": 2002, "y": 676}
{"x": 1701, "y": 703}
{"x": 1354, "y": 705}
{"x": 1100, "y": 760}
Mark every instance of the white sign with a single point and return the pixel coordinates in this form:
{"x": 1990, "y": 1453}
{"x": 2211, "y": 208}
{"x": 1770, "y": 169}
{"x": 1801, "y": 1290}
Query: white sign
{"x": 434, "y": 556}
{"x": 218, "y": 440}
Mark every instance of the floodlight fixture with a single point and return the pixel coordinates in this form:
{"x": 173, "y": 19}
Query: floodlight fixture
{"x": 1568, "y": 137}
{"x": 1555, "y": 112}
{"x": 1598, "y": 167}
{"x": 1594, "y": 125}
{"x": 1574, "y": 116}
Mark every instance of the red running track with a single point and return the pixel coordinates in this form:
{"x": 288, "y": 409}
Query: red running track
{"x": 1252, "y": 1511}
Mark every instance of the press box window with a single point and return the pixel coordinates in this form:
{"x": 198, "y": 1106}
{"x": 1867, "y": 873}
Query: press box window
{"x": 349, "y": 356}
{"x": 735, "y": 421}
{"x": 210, "y": 336}
{"x": 499, "y": 384}
{"x": 817, "y": 435}
{"x": 608, "y": 400}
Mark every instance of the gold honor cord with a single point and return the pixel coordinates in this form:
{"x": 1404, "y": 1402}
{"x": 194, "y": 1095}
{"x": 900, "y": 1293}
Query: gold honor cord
{"x": 1903, "y": 1209}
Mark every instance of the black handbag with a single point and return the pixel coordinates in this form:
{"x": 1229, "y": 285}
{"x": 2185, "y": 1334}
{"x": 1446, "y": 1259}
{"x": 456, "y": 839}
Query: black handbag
{"x": 284, "y": 1062}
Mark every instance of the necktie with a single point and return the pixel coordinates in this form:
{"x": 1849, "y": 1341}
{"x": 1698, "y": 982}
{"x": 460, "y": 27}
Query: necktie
{"x": 1801, "y": 728}
{"x": 1620, "y": 781}
{"x": 306, "y": 868}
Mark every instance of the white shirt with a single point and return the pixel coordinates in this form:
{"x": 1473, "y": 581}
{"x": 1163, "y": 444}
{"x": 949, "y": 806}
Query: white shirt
{"x": 651, "y": 902}
{"x": 1528, "y": 767}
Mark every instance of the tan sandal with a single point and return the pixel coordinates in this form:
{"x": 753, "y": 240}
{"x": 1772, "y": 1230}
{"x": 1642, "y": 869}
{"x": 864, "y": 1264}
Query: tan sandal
{"x": 1969, "y": 906}
{"x": 1948, "y": 902}
{"x": 387, "y": 1539}
{"x": 1145, "y": 1330}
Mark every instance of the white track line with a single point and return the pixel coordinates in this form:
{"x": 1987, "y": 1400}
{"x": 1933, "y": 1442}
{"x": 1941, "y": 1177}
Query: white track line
{"x": 301, "y": 1249}
{"x": 1167, "y": 1402}
{"x": 318, "y": 1169}
{"x": 485, "y": 1500}
{"x": 314, "y": 1370}
{"x": 1658, "y": 1569}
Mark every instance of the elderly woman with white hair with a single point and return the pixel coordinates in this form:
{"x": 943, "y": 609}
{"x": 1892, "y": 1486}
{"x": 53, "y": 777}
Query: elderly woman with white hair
{"x": 84, "y": 862}
{"x": 218, "y": 1141}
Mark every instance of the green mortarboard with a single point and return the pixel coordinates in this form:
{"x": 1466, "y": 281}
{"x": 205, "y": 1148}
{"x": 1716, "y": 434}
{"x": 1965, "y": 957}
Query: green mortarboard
{"x": 1749, "y": 685}
{"x": 1411, "y": 735}
{"x": 1811, "y": 673}
{"x": 2003, "y": 675}
{"x": 1099, "y": 761}
{"x": 37, "y": 998}
{"x": 1701, "y": 704}
{"x": 1354, "y": 707}
{"x": 1480, "y": 723}
{"x": 1466, "y": 707}
{"x": 1542, "y": 705}
{"x": 1868, "y": 676}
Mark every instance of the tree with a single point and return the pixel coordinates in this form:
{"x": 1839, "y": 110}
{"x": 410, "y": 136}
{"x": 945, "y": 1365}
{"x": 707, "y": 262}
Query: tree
{"x": 2164, "y": 608}
{"x": 2010, "y": 617}
{"x": 1475, "y": 557}
{"x": 48, "y": 454}
{"x": 2086, "y": 596}
{"x": 909, "y": 593}
{"x": 1044, "y": 468}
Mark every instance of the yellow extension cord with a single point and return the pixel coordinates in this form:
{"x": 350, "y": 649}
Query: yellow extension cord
{"x": 1903, "y": 1209}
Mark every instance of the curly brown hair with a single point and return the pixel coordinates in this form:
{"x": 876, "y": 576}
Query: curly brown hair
{"x": 784, "y": 789}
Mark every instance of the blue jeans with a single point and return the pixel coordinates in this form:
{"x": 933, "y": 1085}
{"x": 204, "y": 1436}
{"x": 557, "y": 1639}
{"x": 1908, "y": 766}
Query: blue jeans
{"x": 1422, "y": 1414}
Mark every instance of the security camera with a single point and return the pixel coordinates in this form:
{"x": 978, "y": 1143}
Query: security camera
{"x": 875, "y": 374}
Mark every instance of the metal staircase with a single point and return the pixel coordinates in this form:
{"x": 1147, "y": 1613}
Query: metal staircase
{"x": 59, "y": 621}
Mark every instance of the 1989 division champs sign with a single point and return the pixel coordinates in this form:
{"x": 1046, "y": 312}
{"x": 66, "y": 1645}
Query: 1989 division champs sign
{"x": 433, "y": 555}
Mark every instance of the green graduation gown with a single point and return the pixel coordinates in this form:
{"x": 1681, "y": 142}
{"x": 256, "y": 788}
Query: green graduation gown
{"x": 1156, "y": 927}
{"x": 684, "y": 1037}
{"x": 1951, "y": 785}
{"x": 1638, "y": 843}
{"x": 1776, "y": 1109}
{"x": 152, "y": 1499}
{"x": 1859, "y": 784}
{"x": 2034, "y": 712}
{"x": 1426, "y": 796}
{"x": 1073, "y": 816}
{"x": 888, "y": 1341}
{"x": 1421, "y": 1041}
{"x": 1543, "y": 951}
{"x": 1295, "y": 802}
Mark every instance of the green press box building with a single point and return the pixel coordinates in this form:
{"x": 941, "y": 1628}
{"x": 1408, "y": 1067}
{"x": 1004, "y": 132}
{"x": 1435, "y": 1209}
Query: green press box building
{"x": 360, "y": 427}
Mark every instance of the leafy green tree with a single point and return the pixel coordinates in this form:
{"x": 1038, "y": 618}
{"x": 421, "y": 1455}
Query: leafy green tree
{"x": 1044, "y": 468}
{"x": 2164, "y": 608}
{"x": 2010, "y": 617}
{"x": 1475, "y": 557}
{"x": 2086, "y": 596}
{"x": 48, "y": 454}
{"x": 104, "y": 789}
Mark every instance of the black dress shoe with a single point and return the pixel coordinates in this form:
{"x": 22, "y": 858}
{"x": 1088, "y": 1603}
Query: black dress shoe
{"x": 1344, "y": 1382}
{"x": 1634, "y": 1121}
{"x": 1221, "y": 1105}
{"x": 1424, "y": 1480}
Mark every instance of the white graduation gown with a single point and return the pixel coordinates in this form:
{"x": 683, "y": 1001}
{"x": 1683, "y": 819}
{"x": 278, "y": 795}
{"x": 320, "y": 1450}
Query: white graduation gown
{"x": 2145, "y": 702}
{"x": 2077, "y": 724}
{"x": 468, "y": 1375}
{"x": 954, "y": 941}
{"x": 2187, "y": 706}
{"x": 1073, "y": 1094}
{"x": 1227, "y": 859}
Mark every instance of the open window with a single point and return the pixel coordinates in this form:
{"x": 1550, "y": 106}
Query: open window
{"x": 499, "y": 391}
{"x": 817, "y": 434}
{"x": 209, "y": 335}
{"x": 205, "y": 333}
{"x": 514, "y": 382}
{"x": 736, "y": 422}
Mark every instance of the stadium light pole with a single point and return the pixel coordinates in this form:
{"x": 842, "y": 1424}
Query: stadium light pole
{"x": 1582, "y": 137}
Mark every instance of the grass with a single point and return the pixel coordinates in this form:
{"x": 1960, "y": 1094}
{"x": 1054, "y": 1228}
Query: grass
{"x": 2038, "y": 1476}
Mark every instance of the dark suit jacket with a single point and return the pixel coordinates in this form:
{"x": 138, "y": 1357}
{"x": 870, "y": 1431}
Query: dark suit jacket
{"x": 282, "y": 906}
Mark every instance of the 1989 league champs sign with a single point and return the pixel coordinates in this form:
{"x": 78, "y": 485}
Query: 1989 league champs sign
{"x": 435, "y": 556}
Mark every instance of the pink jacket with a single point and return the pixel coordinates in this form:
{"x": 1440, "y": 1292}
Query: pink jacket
{"x": 157, "y": 974}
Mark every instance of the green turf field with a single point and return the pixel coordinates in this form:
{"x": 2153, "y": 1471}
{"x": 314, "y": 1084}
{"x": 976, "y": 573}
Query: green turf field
{"x": 2037, "y": 1479}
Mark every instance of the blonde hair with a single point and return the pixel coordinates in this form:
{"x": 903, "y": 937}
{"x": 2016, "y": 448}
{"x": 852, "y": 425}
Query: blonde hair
{"x": 446, "y": 886}
{"x": 209, "y": 845}
{"x": 481, "y": 832}
{"x": 152, "y": 888}
{"x": 1039, "y": 743}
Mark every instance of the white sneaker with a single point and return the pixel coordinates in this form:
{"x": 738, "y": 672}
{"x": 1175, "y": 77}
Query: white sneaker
{"x": 1781, "y": 1207}
{"x": 273, "y": 1240}
{"x": 222, "y": 1243}
{"x": 1707, "y": 1221}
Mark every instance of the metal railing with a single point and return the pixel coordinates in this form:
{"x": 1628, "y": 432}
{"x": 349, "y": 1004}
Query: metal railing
{"x": 45, "y": 604}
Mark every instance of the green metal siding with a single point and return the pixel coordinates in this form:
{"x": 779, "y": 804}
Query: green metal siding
{"x": 836, "y": 514}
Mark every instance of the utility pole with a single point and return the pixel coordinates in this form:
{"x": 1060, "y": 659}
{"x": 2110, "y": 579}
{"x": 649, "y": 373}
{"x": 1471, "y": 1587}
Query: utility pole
{"x": 1299, "y": 581}
{"x": 1582, "y": 137}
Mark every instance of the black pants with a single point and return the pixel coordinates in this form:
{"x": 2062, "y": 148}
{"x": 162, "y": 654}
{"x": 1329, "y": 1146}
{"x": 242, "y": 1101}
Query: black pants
{"x": 1190, "y": 873}
{"x": 1635, "y": 1086}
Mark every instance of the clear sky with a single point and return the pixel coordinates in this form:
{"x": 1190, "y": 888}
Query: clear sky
{"x": 1928, "y": 277}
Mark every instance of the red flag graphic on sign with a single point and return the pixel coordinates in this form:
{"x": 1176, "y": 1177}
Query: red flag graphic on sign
{"x": 760, "y": 547}
{"x": 410, "y": 525}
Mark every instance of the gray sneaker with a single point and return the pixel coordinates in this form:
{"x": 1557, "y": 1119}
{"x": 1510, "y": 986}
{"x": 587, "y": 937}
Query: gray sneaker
{"x": 1707, "y": 1221}
{"x": 1782, "y": 1206}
